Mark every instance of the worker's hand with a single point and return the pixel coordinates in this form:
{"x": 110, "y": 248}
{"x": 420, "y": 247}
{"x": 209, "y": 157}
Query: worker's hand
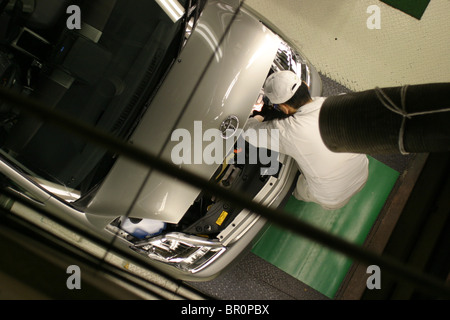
{"x": 258, "y": 106}
{"x": 264, "y": 110}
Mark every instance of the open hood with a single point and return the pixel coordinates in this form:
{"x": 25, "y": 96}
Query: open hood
{"x": 229, "y": 87}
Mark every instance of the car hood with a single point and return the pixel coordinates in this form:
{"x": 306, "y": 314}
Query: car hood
{"x": 229, "y": 87}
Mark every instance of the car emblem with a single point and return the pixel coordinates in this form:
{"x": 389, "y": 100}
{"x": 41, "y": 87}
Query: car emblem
{"x": 229, "y": 126}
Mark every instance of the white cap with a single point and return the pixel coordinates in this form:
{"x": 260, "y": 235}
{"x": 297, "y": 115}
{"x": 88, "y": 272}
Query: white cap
{"x": 281, "y": 86}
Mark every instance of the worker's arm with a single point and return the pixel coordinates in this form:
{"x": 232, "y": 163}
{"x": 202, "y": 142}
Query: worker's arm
{"x": 258, "y": 117}
{"x": 260, "y": 133}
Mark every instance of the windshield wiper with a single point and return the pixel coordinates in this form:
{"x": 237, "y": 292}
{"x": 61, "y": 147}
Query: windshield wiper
{"x": 192, "y": 9}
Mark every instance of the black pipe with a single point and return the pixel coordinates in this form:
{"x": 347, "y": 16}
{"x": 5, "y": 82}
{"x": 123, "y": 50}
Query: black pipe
{"x": 364, "y": 122}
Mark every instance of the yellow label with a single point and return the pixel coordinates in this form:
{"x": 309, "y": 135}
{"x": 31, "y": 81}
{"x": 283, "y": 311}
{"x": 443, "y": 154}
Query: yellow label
{"x": 222, "y": 217}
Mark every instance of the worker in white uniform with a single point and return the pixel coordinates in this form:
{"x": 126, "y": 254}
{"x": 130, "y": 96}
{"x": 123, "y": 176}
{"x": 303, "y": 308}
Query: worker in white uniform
{"x": 327, "y": 178}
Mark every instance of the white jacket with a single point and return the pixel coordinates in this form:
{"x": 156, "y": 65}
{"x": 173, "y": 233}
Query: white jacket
{"x": 328, "y": 178}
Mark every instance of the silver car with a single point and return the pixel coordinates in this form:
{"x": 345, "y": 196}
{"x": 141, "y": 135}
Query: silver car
{"x": 151, "y": 73}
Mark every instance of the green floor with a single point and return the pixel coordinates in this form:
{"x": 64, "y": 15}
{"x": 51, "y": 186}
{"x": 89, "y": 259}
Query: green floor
{"x": 311, "y": 263}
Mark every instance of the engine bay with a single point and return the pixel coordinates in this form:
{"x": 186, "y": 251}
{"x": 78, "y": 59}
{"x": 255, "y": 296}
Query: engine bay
{"x": 208, "y": 215}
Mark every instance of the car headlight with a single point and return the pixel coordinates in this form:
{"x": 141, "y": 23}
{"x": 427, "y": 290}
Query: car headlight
{"x": 186, "y": 252}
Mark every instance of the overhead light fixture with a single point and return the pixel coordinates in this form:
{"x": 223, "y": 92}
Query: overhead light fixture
{"x": 172, "y": 8}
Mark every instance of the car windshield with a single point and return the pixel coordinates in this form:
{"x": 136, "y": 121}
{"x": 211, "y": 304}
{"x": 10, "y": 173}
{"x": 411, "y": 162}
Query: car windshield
{"x": 103, "y": 74}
